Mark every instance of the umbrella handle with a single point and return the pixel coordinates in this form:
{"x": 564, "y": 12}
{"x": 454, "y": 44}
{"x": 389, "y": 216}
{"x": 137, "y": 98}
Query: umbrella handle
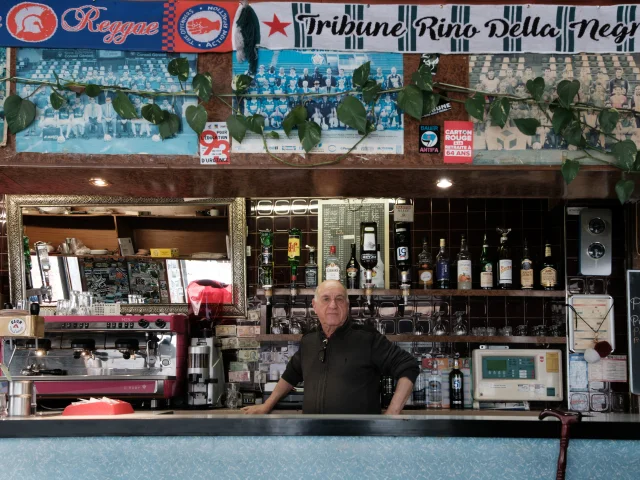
{"x": 566, "y": 419}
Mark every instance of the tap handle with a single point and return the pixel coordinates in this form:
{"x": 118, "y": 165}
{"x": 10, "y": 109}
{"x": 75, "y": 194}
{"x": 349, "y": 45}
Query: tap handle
{"x": 34, "y": 309}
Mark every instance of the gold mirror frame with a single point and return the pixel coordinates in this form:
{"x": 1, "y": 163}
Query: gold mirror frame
{"x": 237, "y": 234}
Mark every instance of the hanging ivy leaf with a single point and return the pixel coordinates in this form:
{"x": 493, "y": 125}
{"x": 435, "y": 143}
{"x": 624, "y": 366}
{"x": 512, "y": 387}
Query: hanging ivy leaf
{"x": 370, "y": 91}
{"x": 92, "y": 90}
{"x": 430, "y": 101}
{"x": 196, "y": 117}
{"x": 422, "y": 78}
{"x": 528, "y": 126}
{"x": 255, "y": 123}
{"x": 608, "y": 119}
{"x": 636, "y": 164}
{"x": 624, "y": 189}
{"x": 475, "y": 106}
{"x": 57, "y": 100}
{"x": 410, "y": 101}
{"x": 561, "y": 117}
{"x": 241, "y": 83}
{"x": 625, "y": 154}
{"x": 351, "y": 112}
{"x": 536, "y": 88}
{"x": 55, "y": 75}
{"x": 309, "y": 133}
{"x": 179, "y": 67}
{"x": 567, "y": 91}
{"x": 202, "y": 85}
{"x": 273, "y": 134}
{"x": 237, "y": 125}
{"x": 123, "y": 106}
{"x": 294, "y": 118}
{"x": 572, "y": 133}
{"x": 169, "y": 126}
{"x": 499, "y": 111}
{"x": 153, "y": 113}
{"x": 570, "y": 169}
{"x": 19, "y": 113}
{"x": 361, "y": 74}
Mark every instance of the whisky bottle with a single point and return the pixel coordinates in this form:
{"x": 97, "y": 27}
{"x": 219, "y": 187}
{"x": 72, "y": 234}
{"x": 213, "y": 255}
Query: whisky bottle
{"x": 311, "y": 269}
{"x": 486, "y": 267}
{"x": 505, "y": 264}
{"x": 526, "y": 269}
{"x": 293, "y": 253}
{"x": 425, "y": 267}
{"x": 549, "y": 271}
{"x": 353, "y": 270}
{"x": 464, "y": 266}
{"x": 331, "y": 266}
{"x": 456, "y": 387}
{"x": 442, "y": 266}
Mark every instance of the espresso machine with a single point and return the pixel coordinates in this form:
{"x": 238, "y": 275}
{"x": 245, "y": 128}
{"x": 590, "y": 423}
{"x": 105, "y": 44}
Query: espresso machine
{"x": 129, "y": 357}
{"x": 205, "y": 372}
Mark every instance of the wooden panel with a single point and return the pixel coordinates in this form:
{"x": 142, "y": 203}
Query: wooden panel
{"x": 94, "y": 239}
{"x": 188, "y": 242}
{"x": 437, "y": 339}
{"x": 436, "y": 292}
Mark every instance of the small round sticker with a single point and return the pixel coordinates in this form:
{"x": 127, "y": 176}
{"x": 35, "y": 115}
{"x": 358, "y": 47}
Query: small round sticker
{"x": 17, "y": 326}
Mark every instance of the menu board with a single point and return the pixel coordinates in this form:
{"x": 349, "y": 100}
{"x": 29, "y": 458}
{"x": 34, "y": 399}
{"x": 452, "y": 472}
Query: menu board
{"x": 633, "y": 329}
{"x": 106, "y": 278}
{"x": 339, "y": 224}
{"x": 590, "y": 314}
{"x": 148, "y": 278}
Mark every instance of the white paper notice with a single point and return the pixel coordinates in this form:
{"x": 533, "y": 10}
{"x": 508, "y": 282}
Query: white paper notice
{"x": 578, "y": 372}
{"x": 214, "y": 144}
{"x": 610, "y": 369}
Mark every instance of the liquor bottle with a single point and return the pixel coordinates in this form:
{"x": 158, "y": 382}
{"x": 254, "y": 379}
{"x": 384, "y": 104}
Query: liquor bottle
{"x": 434, "y": 388}
{"x": 368, "y": 248}
{"x": 311, "y": 269}
{"x": 425, "y": 267}
{"x": 549, "y": 271}
{"x": 456, "y": 387}
{"x": 266, "y": 258}
{"x": 526, "y": 269}
{"x": 442, "y": 266}
{"x": 486, "y": 267}
{"x": 387, "y": 391}
{"x": 505, "y": 264}
{"x": 28, "y": 281}
{"x": 464, "y": 266}
{"x": 353, "y": 270}
{"x": 331, "y": 267}
{"x": 420, "y": 387}
{"x": 293, "y": 252}
{"x": 403, "y": 251}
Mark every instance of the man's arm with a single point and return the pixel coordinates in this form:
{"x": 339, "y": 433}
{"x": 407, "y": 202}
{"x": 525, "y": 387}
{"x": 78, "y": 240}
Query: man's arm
{"x": 400, "y": 397}
{"x": 282, "y": 389}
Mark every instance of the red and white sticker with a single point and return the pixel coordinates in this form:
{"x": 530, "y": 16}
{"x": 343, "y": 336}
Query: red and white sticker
{"x": 214, "y": 144}
{"x": 458, "y": 142}
{"x": 17, "y": 326}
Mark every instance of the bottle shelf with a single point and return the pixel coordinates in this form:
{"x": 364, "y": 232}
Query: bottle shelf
{"x": 437, "y": 339}
{"x": 434, "y": 293}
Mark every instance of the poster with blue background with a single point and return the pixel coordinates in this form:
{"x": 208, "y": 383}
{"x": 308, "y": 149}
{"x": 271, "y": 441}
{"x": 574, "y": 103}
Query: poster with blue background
{"x": 91, "y": 125}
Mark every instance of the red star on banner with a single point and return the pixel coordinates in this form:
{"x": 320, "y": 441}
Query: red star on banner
{"x": 277, "y": 26}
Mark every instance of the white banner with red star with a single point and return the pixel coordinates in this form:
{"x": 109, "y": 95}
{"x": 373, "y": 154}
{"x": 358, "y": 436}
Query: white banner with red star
{"x": 448, "y": 28}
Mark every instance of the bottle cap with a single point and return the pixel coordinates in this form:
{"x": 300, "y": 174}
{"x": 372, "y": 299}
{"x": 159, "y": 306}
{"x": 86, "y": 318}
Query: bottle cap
{"x": 442, "y": 242}
{"x": 311, "y": 249}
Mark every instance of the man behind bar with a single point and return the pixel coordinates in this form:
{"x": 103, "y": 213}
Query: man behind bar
{"x": 341, "y": 363}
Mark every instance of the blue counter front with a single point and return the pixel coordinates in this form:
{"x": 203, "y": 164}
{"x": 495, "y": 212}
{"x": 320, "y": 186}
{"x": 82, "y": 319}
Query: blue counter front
{"x": 230, "y": 447}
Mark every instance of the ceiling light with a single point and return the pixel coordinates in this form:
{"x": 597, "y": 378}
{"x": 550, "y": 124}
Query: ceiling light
{"x": 99, "y": 182}
{"x": 444, "y": 183}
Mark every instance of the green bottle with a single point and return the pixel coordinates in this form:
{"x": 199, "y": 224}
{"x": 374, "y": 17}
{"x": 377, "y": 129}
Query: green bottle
{"x": 486, "y": 267}
{"x": 293, "y": 253}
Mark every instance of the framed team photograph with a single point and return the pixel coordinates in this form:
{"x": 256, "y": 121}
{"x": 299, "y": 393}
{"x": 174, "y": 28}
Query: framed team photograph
{"x": 5, "y": 62}
{"x": 91, "y": 125}
{"x": 317, "y": 80}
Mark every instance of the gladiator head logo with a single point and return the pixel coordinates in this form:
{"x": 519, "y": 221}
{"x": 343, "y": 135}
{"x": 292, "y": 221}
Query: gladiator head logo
{"x": 32, "y": 22}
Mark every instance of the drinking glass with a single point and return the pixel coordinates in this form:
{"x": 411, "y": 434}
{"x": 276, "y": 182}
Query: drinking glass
{"x": 62, "y": 307}
{"x": 234, "y": 397}
{"x": 491, "y": 331}
{"x": 85, "y": 303}
{"x": 506, "y": 331}
{"x": 540, "y": 331}
{"x": 522, "y": 330}
{"x": 73, "y": 303}
{"x": 276, "y": 329}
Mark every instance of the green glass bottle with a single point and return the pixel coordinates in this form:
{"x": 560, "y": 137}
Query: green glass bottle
{"x": 266, "y": 258}
{"x": 486, "y": 267}
{"x": 293, "y": 253}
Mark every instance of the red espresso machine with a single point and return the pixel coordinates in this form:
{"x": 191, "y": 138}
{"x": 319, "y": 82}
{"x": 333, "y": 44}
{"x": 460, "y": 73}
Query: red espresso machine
{"x": 128, "y": 357}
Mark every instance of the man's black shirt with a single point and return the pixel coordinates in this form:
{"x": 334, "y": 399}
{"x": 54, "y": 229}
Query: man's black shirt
{"x": 348, "y": 380}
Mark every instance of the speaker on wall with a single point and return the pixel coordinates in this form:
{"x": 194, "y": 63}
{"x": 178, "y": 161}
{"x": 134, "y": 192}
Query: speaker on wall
{"x": 595, "y": 253}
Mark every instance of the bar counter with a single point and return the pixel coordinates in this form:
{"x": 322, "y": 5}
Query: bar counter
{"x": 227, "y": 445}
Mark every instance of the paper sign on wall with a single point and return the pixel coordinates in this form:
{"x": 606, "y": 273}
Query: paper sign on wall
{"x": 214, "y": 144}
{"x": 458, "y": 142}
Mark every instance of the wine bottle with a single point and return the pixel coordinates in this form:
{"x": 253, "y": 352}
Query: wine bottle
{"x": 456, "y": 387}
{"x": 505, "y": 264}
{"x": 442, "y": 266}
{"x": 464, "y": 266}
{"x": 526, "y": 269}
{"x": 486, "y": 267}
{"x": 425, "y": 267}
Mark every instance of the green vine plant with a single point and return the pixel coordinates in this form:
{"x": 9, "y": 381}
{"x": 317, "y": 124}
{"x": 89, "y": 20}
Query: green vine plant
{"x": 560, "y": 113}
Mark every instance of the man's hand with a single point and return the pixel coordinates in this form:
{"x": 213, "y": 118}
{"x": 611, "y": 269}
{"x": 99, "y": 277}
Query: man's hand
{"x": 256, "y": 410}
{"x": 389, "y": 411}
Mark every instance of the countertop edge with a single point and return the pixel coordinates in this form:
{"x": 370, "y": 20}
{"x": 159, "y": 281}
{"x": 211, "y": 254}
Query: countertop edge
{"x": 265, "y": 426}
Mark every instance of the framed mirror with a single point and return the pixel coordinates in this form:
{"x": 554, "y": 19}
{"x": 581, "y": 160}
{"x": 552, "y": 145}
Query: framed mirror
{"x": 147, "y": 254}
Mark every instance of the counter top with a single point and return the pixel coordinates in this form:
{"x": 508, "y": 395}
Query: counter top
{"x": 411, "y": 423}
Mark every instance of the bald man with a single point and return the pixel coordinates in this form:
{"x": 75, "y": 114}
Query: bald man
{"x": 341, "y": 363}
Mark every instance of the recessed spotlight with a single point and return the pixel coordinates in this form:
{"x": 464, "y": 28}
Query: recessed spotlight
{"x": 99, "y": 182}
{"x": 444, "y": 183}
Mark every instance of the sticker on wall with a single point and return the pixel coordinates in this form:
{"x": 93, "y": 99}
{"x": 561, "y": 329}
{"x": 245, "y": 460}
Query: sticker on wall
{"x": 431, "y": 61}
{"x": 214, "y": 144}
{"x": 443, "y": 106}
{"x": 458, "y": 142}
{"x": 429, "y": 139}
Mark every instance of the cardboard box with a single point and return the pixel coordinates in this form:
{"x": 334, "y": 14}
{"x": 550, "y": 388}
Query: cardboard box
{"x": 126, "y": 246}
{"x": 165, "y": 252}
